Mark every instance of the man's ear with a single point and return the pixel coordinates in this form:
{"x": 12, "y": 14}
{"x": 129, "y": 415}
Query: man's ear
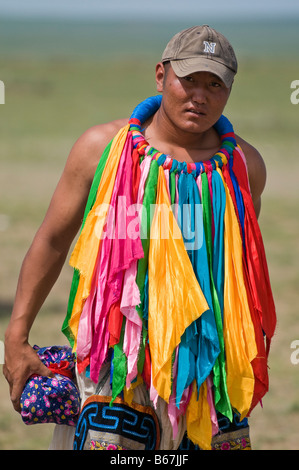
{"x": 160, "y": 76}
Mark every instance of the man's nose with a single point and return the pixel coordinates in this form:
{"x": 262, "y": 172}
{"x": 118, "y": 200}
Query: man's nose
{"x": 199, "y": 95}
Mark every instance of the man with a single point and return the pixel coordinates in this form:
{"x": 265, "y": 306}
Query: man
{"x": 195, "y": 78}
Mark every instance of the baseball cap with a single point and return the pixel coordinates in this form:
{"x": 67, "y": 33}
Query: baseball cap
{"x": 201, "y": 49}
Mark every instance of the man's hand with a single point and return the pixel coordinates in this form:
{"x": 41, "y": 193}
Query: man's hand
{"x": 21, "y": 361}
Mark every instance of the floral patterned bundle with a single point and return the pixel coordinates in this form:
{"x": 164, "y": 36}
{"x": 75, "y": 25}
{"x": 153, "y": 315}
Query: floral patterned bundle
{"x": 52, "y": 399}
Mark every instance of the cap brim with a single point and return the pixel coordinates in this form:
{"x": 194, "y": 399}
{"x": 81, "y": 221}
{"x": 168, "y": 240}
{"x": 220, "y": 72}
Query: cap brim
{"x": 184, "y": 67}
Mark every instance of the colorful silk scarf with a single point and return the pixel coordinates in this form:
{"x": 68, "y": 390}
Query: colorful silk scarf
{"x": 170, "y": 275}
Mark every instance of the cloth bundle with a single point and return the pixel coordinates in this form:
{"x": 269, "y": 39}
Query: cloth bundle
{"x": 52, "y": 399}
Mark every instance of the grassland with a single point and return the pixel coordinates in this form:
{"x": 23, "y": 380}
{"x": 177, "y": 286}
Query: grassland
{"x": 59, "y": 83}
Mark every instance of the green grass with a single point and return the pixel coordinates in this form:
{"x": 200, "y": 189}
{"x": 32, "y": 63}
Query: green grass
{"x": 54, "y": 92}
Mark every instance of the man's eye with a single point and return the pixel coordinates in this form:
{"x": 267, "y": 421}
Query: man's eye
{"x": 215, "y": 84}
{"x": 188, "y": 78}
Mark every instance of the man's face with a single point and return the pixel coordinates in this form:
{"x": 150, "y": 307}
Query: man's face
{"x": 193, "y": 103}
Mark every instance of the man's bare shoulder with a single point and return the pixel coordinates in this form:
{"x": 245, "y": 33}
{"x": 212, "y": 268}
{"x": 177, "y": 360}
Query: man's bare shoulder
{"x": 88, "y": 148}
{"x": 255, "y": 162}
{"x": 96, "y": 138}
{"x": 103, "y": 133}
{"x": 257, "y": 172}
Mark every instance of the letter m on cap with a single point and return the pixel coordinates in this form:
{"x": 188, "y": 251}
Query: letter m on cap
{"x": 209, "y": 47}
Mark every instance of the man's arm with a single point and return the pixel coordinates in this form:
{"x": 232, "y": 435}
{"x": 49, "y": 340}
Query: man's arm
{"x": 47, "y": 253}
{"x": 256, "y": 172}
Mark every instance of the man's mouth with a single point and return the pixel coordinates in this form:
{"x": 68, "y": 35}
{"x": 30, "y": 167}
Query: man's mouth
{"x": 196, "y": 112}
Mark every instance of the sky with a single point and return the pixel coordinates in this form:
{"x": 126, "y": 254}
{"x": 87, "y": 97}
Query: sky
{"x": 159, "y": 9}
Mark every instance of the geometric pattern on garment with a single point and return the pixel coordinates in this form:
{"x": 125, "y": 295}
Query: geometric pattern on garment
{"x": 132, "y": 427}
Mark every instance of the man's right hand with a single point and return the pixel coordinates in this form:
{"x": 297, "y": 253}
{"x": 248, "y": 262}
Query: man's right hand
{"x": 21, "y": 361}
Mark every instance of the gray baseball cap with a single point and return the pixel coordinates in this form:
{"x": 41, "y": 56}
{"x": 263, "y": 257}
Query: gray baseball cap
{"x": 201, "y": 49}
